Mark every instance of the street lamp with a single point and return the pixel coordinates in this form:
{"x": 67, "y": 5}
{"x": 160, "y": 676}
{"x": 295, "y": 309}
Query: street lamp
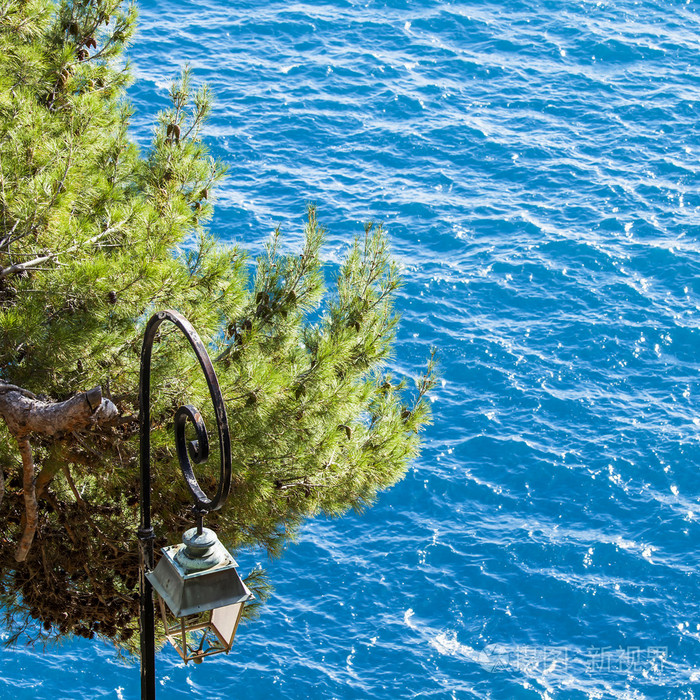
{"x": 201, "y": 596}
{"x": 200, "y": 607}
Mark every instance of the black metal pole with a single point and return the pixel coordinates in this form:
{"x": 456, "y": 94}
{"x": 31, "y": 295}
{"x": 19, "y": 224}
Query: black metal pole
{"x": 147, "y": 623}
{"x": 145, "y": 532}
{"x": 198, "y": 450}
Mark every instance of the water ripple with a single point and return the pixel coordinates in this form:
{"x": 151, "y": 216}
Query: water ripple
{"x": 536, "y": 167}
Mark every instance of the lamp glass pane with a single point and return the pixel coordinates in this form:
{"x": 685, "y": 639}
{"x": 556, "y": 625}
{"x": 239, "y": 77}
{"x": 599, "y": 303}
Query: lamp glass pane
{"x": 194, "y": 636}
{"x": 225, "y": 621}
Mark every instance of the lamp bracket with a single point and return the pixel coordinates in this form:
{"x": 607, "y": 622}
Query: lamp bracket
{"x": 196, "y": 450}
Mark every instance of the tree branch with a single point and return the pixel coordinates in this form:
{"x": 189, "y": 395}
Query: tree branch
{"x": 25, "y": 414}
{"x": 20, "y": 267}
{"x": 30, "y": 505}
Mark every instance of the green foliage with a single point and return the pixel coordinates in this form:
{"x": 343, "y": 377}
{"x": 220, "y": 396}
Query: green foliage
{"x": 94, "y": 237}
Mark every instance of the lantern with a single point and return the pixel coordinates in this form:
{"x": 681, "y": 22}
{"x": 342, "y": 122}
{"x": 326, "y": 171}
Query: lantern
{"x": 201, "y": 595}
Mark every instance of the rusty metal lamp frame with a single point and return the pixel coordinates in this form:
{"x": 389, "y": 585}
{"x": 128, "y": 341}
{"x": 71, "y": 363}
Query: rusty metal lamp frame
{"x": 198, "y": 451}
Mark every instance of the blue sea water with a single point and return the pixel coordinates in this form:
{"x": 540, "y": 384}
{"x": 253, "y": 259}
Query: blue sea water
{"x": 537, "y": 168}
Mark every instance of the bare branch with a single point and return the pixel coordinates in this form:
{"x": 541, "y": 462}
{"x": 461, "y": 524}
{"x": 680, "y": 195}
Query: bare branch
{"x": 20, "y": 267}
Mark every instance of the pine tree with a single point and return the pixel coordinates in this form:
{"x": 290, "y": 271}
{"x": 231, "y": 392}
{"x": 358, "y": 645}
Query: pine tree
{"x": 94, "y": 237}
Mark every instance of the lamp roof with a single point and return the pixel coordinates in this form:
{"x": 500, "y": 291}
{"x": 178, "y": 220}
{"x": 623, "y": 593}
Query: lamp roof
{"x": 187, "y": 592}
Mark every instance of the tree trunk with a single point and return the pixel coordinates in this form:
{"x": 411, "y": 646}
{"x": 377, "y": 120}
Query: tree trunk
{"x": 25, "y": 414}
